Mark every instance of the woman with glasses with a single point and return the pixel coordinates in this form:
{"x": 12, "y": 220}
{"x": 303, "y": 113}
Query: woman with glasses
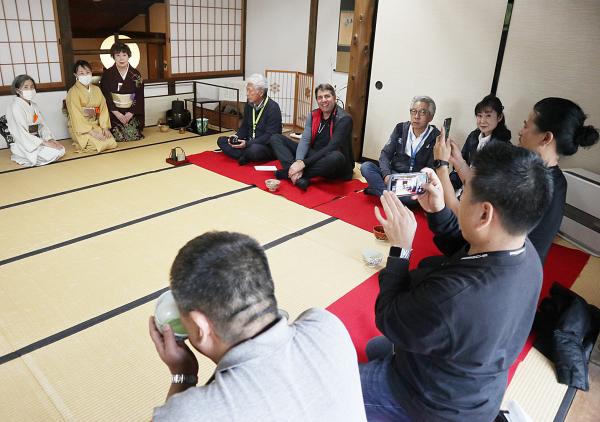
{"x": 409, "y": 148}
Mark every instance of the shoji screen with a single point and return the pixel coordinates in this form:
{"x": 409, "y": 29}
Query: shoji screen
{"x": 444, "y": 49}
{"x": 206, "y": 36}
{"x": 553, "y": 50}
{"x": 28, "y": 41}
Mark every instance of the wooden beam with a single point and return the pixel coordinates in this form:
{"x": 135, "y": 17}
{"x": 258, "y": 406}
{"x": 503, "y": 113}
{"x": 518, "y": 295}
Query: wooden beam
{"x": 66, "y": 41}
{"x": 312, "y": 37}
{"x": 360, "y": 70}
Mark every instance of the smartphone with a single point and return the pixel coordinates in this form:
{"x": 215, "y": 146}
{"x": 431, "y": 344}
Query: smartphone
{"x": 407, "y": 184}
{"x": 447, "y": 123}
{"x": 233, "y": 140}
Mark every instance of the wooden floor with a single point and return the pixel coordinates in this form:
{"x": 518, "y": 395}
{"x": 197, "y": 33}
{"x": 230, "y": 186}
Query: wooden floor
{"x": 87, "y": 245}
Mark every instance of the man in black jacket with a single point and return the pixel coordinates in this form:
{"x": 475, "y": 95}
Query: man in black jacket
{"x": 325, "y": 148}
{"x": 262, "y": 119}
{"x": 453, "y": 330}
{"x": 409, "y": 148}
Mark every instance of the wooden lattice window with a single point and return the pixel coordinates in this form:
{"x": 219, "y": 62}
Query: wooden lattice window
{"x": 206, "y": 37}
{"x": 29, "y": 43}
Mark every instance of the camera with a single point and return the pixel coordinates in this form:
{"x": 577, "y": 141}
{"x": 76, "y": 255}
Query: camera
{"x": 233, "y": 140}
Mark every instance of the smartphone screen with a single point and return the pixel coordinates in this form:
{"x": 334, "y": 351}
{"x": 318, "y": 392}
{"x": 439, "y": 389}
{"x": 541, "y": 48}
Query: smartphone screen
{"x": 407, "y": 184}
{"x": 447, "y": 123}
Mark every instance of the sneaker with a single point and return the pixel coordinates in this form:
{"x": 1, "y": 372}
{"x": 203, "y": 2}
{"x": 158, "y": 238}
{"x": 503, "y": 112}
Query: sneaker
{"x": 281, "y": 174}
{"x": 303, "y": 183}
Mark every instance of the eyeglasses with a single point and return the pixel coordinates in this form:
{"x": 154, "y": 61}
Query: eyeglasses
{"x": 422, "y": 112}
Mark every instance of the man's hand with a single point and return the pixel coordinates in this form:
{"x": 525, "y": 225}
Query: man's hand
{"x": 297, "y": 167}
{"x": 128, "y": 116}
{"x": 400, "y": 225}
{"x": 176, "y": 355}
{"x": 241, "y": 145}
{"x": 294, "y": 178}
{"x": 386, "y": 179}
{"x": 106, "y": 132}
{"x": 441, "y": 149}
{"x": 433, "y": 199}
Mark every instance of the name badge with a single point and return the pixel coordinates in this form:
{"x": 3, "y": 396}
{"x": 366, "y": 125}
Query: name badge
{"x": 33, "y": 129}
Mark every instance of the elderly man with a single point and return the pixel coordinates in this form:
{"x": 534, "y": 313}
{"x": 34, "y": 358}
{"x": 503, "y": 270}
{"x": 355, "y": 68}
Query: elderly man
{"x": 267, "y": 369}
{"x": 454, "y": 327}
{"x": 262, "y": 119}
{"x": 325, "y": 148}
{"x": 409, "y": 149}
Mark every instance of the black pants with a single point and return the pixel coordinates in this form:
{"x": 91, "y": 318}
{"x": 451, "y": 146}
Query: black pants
{"x": 255, "y": 152}
{"x": 331, "y": 166}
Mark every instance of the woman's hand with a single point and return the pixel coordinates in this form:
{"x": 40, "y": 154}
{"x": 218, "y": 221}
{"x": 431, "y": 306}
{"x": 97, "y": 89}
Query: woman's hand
{"x": 433, "y": 199}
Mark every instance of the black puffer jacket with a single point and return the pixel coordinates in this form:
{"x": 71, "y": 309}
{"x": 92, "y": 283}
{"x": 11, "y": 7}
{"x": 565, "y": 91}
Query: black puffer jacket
{"x": 567, "y": 330}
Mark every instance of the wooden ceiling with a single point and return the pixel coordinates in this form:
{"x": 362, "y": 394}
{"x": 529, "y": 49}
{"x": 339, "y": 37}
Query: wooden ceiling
{"x": 100, "y": 18}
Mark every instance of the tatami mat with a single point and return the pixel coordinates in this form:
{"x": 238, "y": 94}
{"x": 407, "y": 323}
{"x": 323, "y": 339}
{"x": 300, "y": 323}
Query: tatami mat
{"x": 152, "y": 136}
{"x": 39, "y": 181}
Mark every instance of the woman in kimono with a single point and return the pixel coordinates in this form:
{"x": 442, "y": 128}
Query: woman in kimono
{"x": 89, "y": 121}
{"x": 34, "y": 144}
{"x": 124, "y": 92}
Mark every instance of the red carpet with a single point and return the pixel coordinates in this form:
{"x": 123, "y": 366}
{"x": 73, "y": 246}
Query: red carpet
{"x": 356, "y": 308}
{"x": 320, "y": 191}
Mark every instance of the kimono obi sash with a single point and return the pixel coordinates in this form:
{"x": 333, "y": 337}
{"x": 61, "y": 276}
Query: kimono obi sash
{"x": 122, "y": 100}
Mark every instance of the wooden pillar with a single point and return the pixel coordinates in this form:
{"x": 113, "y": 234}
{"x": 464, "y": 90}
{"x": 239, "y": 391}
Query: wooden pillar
{"x": 359, "y": 72}
{"x": 66, "y": 41}
{"x": 312, "y": 37}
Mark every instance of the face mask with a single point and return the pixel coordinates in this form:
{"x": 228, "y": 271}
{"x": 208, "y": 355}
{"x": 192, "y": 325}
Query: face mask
{"x": 28, "y": 94}
{"x": 85, "y": 79}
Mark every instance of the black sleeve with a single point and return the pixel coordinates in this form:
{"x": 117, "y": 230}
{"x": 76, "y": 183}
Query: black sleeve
{"x": 409, "y": 318}
{"x": 388, "y": 151}
{"x": 447, "y": 235}
{"x": 341, "y": 133}
{"x": 272, "y": 124}
{"x": 243, "y": 131}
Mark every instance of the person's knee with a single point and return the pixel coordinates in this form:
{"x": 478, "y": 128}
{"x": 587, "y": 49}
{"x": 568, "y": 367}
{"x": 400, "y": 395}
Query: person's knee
{"x": 222, "y": 141}
{"x": 368, "y": 168}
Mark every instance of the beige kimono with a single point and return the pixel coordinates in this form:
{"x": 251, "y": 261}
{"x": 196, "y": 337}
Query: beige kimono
{"x": 87, "y": 111}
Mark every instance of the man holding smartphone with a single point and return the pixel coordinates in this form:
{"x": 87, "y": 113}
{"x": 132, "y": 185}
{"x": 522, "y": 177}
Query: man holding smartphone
{"x": 453, "y": 330}
{"x": 409, "y": 148}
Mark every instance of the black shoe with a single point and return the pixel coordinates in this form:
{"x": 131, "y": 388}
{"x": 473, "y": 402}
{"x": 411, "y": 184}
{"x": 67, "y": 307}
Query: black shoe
{"x": 303, "y": 183}
{"x": 242, "y": 160}
{"x": 281, "y": 174}
{"x": 371, "y": 191}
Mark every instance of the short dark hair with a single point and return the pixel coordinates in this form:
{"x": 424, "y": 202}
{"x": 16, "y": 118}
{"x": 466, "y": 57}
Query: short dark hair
{"x": 19, "y": 81}
{"x": 227, "y": 277}
{"x": 81, "y": 63}
{"x": 119, "y": 47}
{"x": 501, "y": 132}
{"x": 564, "y": 119}
{"x": 325, "y": 87}
{"x": 515, "y": 181}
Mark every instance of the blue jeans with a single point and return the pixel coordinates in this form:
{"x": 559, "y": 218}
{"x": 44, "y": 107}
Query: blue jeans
{"x": 372, "y": 173}
{"x": 377, "y": 383}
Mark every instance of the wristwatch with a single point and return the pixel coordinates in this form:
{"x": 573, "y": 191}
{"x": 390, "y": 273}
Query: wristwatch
{"x": 184, "y": 379}
{"x": 440, "y": 163}
{"x": 397, "y": 252}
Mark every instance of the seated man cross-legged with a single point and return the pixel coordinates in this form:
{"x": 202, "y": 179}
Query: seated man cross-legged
{"x": 325, "y": 148}
{"x": 267, "y": 368}
{"x": 453, "y": 330}
{"x": 262, "y": 119}
{"x": 409, "y": 148}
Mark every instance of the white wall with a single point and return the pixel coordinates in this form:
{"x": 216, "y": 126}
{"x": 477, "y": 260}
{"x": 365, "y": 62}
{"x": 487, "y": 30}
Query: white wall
{"x": 552, "y": 51}
{"x": 276, "y": 35}
{"x": 326, "y": 48}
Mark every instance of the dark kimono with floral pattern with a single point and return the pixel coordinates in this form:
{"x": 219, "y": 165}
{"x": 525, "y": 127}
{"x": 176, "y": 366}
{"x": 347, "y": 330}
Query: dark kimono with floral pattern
{"x": 132, "y": 86}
